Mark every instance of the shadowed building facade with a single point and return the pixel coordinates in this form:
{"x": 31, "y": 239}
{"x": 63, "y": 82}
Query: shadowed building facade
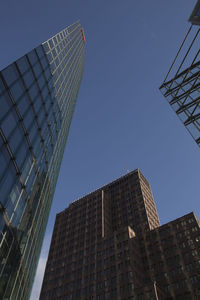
{"x": 110, "y": 245}
{"x": 37, "y": 96}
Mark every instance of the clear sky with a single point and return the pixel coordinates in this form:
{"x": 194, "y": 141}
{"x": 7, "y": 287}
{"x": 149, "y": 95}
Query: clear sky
{"x": 121, "y": 119}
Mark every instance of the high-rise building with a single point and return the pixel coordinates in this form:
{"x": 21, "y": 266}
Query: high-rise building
{"x": 110, "y": 245}
{"x": 37, "y": 95}
{"x": 181, "y": 86}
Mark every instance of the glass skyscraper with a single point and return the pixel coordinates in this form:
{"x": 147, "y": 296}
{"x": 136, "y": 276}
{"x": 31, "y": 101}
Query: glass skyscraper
{"x": 37, "y": 98}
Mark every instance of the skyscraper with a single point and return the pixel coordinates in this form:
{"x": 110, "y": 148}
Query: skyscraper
{"x": 110, "y": 245}
{"x": 181, "y": 86}
{"x": 37, "y": 95}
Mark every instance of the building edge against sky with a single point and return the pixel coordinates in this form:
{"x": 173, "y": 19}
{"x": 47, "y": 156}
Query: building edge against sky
{"x": 38, "y": 94}
{"x": 181, "y": 84}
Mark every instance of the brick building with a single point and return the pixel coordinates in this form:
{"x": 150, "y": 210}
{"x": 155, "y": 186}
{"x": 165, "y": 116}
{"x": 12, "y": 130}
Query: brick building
{"x": 110, "y": 245}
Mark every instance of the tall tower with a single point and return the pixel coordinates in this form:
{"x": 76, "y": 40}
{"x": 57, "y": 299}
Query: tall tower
{"x": 181, "y": 86}
{"x": 110, "y": 245}
{"x": 37, "y": 95}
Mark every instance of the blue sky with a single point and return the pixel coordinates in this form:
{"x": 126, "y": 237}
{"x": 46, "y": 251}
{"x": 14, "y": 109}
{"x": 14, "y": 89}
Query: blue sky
{"x": 121, "y": 119}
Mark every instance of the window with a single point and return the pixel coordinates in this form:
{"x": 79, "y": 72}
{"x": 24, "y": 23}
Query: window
{"x": 19, "y": 209}
{"x": 33, "y": 91}
{"x": 32, "y": 57}
{"x": 21, "y": 154}
{"x": 9, "y": 123}
{"x": 194, "y": 253}
{"x": 194, "y": 279}
{"x": 183, "y": 223}
{"x": 130, "y": 274}
{"x": 131, "y": 287}
{"x": 40, "y": 51}
{"x": 107, "y": 296}
{"x": 99, "y": 285}
{"x": 28, "y": 78}
{"x": 191, "y": 220}
{"x": 91, "y": 288}
{"x": 5, "y": 105}
{"x": 4, "y": 160}
{"x": 23, "y": 64}
{"x": 16, "y": 139}
{"x": 10, "y": 74}
{"x": 7, "y": 182}
{"x": 190, "y": 242}
{"x": 194, "y": 229}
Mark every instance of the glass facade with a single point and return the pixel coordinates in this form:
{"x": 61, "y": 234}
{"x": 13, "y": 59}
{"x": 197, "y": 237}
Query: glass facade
{"x": 37, "y": 94}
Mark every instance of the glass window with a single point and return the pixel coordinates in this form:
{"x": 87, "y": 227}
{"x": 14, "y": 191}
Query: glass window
{"x": 51, "y": 86}
{"x": 58, "y": 48}
{"x": 26, "y": 168}
{"x": 28, "y": 78}
{"x": 37, "y": 147}
{"x": 2, "y": 223}
{"x": 1, "y": 142}
{"x": 37, "y": 104}
{"x": 40, "y": 51}
{"x": 45, "y": 92}
{"x": 51, "y": 117}
{"x": 44, "y": 62}
{"x": 41, "y": 117}
{"x": 51, "y": 43}
{"x": 16, "y": 138}
{"x": 49, "y": 57}
{"x": 7, "y": 182}
{"x": 57, "y": 63}
{"x": 48, "y": 73}
{"x": 2, "y": 87}
{"x": 10, "y": 74}
{"x": 41, "y": 82}
{"x": 9, "y": 123}
{"x": 4, "y": 160}
{"x": 55, "y": 40}
{"x": 17, "y": 90}
{"x": 5, "y": 105}
{"x": 32, "y": 57}
{"x": 49, "y": 152}
{"x": 45, "y": 134}
{"x": 19, "y": 210}
{"x": 28, "y": 118}
{"x": 37, "y": 70}
{"x": 23, "y": 104}
{"x": 45, "y": 47}
{"x": 23, "y": 64}
{"x": 13, "y": 197}
{"x": 47, "y": 103}
{"x": 22, "y": 153}
{"x": 33, "y": 91}
{"x": 33, "y": 131}
{"x": 30, "y": 182}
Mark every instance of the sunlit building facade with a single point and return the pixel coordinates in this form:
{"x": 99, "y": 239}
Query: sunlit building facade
{"x": 38, "y": 94}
